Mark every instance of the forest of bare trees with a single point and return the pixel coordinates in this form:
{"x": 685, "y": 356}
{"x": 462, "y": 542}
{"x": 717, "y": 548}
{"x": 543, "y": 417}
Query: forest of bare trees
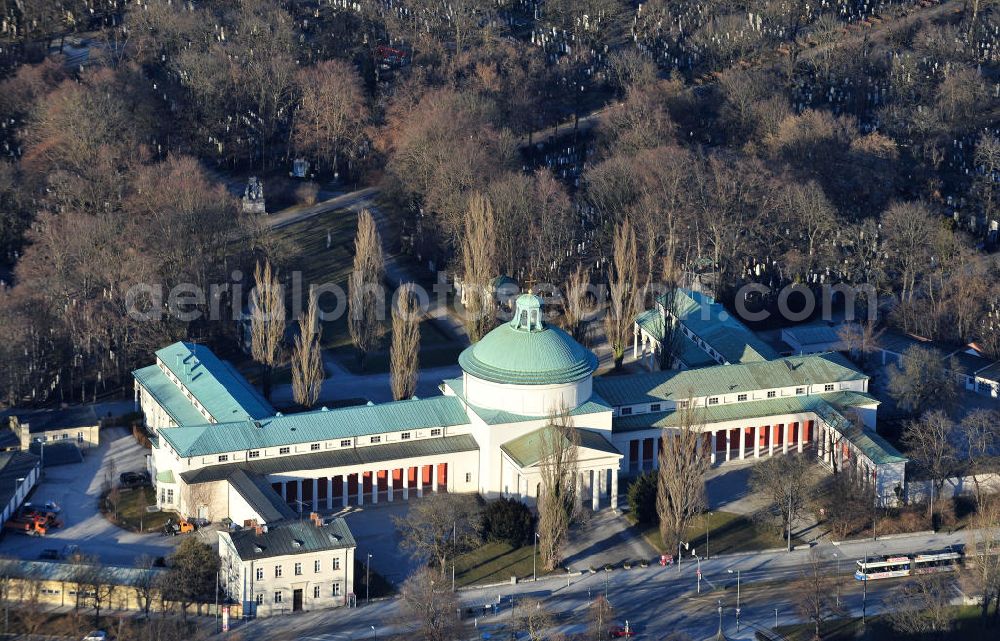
{"x": 773, "y": 143}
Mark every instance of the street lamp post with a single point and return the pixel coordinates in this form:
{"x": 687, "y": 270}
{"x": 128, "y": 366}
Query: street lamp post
{"x": 698, "y": 558}
{"x": 534, "y": 559}
{"x": 737, "y": 598}
{"x": 864, "y": 594}
{"x": 707, "y": 520}
{"x": 776, "y": 618}
{"x": 368, "y": 567}
{"x": 838, "y": 577}
{"x": 374, "y": 633}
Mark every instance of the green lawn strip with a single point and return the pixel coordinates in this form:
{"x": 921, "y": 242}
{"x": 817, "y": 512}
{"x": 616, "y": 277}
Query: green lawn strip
{"x": 132, "y": 510}
{"x": 495, "y": 563}
{"x": 727, "y": 533}
{"x": 966, "y": 626}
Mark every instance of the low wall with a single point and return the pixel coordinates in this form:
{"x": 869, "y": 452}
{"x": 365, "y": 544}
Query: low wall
{"x": 917, "y": 491}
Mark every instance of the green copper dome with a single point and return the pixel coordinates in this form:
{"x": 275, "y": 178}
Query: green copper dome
{"x": 526, "y": 351}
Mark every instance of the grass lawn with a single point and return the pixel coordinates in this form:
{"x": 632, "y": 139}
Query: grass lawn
{"x": 132, "y": 510}
{"x": 966, "y": 628}
{"x": 727, "y": 533}
{"x": 495, "y": 562}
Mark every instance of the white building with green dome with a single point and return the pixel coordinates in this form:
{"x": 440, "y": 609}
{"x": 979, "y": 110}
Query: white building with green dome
{"x": 221, "y": 451}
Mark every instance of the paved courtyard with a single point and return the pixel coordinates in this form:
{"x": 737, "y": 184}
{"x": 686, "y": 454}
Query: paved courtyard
{"x": 77, "y": 489}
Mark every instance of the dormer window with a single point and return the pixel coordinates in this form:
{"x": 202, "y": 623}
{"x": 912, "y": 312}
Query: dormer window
{"x": 626, "y": 411}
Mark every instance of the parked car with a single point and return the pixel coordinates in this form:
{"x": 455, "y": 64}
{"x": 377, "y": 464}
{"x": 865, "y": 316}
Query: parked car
{"x": 49, "y": 506}
{"x": 133, "y": 479}
{"x": 96, "y": 635}
{"x": 173, "y": 528}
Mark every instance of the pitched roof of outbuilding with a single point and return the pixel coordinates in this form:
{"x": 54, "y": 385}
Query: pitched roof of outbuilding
{"x": 292, "y": 537}
{"x": 527, "y": 449}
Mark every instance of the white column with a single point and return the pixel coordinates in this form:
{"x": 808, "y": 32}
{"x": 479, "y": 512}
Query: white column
{"x": 786, "y": 429}
{"x": 579, "y": 489}
{"x": 820, "y": 443}
{"x": 729, "y": 448}
{"x": 802, "y": 430}
{"x": 711, "y": 448}
{"x": 344, "y": 498}
{"x": 626, "y": 459}
{"x": 420, "y": 481}
{"x": 434, "y": 478}
{"x": 406, "y": 483}
{"x": 770, "y": 439}
{"x": 298, "y": 494}
{"x": 656, "y": 452}
{"x": 316, "y": 495}
{"x": 743, "y": 443}
{"x": 756, "y": 441}
{"x": 284, "y": 491}
{"x": 389, "y": 483}
{"x": 361, "y": 488}
{"x": 614, "y": 489}
{"x": 329, "y": 493}
{"x": 595, "y": 494}
{"x": 374, "y": 487}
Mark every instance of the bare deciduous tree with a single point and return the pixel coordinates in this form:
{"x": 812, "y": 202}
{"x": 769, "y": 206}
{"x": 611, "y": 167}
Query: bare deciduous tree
{"x": 980, "y": 430}
{"x": 428, "y": 602}
{"x": 623, "y": 291}
{"x": 574, "y": 304}
{"x": 405, "y": 350}
{"x": 670, "y": 336}
{"x": 600, "y": 615}
{"x": 921, "y": 605}
{"x": 930, "y": 442}
{"x": 814, "y": 594}
{"x": 307, "y": 361}
{"x": 784, "y": 481}
{"x": 558, "y": 471}
{"x": 981, "y": 573}
{"x": 534, "y": 618}
{"x": 479, "y": 266}
{"x": 680, "y": 487}
{"x": 439, "y": 527}
{"x": 366, "y": 295}
{"x": 329, "y": 123}
{"x": 861, "y": 340}
{"x": 267, "y": 320}
{"x": 923, "y": 381}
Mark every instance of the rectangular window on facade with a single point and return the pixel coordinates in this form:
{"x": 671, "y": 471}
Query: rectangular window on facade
{"x": 277, "y": 571}
{"x": 741, "y": 397}
{"x": 800, "y": 390}
{"x": 253, "y": 454}
{"x": 336, "y": 563}
{"x": 828, "y": 387}
{"x": 654, "y": 407}
{"x": 626, "y": 411}
{"x": 284, "y": 450}
{"x": 170, "y": 496}
{"x": 682, "y": 405}
{"x": 345, "y": 443}
{"x": 260, "y": 574}
{"x": 713, "y": 400}
{"x": 376, "y": 439}
{"x": 436, "y": 432}
{"x": 314, "y": 447}
{"x": 405, "y": 436}
{"x": 317, "y": 566}
{"x": 316, "y": 592}
{"x": 277, "y": 597}
{"x": 223, "y": 458}
{"x": 772, "y": 394}
{"x": 468, "y": 477}
{"x": 298, "y": 569}
{"x": 259, "y": 599}
{"x": 336, "y": 589}
{"x": 79, "y": 437}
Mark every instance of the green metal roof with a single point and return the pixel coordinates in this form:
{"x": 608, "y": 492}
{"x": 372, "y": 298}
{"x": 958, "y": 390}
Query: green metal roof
{"x": 652, "y": 322}
{"x": 366, "y": 455}
{"x": 593, "y": 405}
{"x": 528, "y": 351}
{"x": 747, "y": 410}
{"x": 293, "y": 537}
{"x": 220, "y": 389}
{"x": 876, "y": 448}
{"x": 526, "y": 450}
{"x": 717, "y": 327}
{"x": 725, "y": 379}
{"x": 260, "y": 496}
{"x": 165, "y": 477}
{"x": 69, "y": 572}
{"x": 991, "y": 373}
{"x": 168, "y": 396}
{"x": 815, "y": 334}
{"x": 321, "y": 425}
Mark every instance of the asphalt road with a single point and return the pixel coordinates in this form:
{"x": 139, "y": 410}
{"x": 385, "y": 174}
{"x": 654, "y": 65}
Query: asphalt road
{"x": 654, "y": 600}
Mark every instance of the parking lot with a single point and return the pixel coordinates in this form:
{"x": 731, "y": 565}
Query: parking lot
{"x": 77, "y": 488}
